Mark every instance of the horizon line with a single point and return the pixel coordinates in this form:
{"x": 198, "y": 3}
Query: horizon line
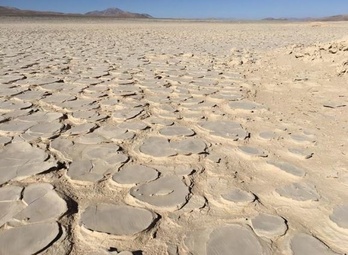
{"x": 269, "y": 18}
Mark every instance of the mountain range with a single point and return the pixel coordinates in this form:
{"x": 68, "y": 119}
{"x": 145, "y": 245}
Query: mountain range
{"x": 336, "y": 18}
{"x": 111, "y": 12}
{"x": 329, "y": 18}
{"x": 118, "y": 13}
{"x": 115, "y": 12}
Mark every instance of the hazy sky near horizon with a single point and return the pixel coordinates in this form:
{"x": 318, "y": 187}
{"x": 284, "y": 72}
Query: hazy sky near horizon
{"x": 247, "y": 9}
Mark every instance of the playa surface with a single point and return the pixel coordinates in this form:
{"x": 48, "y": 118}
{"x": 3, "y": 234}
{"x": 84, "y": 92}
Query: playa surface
{"x": 173, "y": 137}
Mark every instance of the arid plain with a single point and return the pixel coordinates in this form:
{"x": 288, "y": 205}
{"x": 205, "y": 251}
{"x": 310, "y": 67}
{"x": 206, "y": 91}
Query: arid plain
{"x": 173, "y": 137}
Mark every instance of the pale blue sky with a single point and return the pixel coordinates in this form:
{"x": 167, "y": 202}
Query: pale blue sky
{"x": 247, "y": 9}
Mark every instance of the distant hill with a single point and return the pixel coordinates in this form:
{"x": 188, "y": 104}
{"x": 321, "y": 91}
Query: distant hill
{"x": 11, "y": 11}
{"x": 335, "y": 18}
{"x": 330, "y": 18}
{"x": 117, "y": 13}
{"x": 111, "y": 12}
{"x": 275, "y": 19}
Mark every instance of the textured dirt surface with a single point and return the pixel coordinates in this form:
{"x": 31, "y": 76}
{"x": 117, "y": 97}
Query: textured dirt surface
{"x": 172, "y": 137}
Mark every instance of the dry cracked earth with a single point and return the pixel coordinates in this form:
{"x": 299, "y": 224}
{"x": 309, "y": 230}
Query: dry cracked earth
{"x": 172, "y": 137}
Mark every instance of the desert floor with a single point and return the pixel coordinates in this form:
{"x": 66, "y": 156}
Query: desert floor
{"x": 173, "y": 137}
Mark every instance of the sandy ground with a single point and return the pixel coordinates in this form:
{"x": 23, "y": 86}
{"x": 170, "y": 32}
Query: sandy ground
{"x": 168, "y": 137}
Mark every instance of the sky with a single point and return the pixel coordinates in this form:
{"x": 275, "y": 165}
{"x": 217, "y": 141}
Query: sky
{"x": 239, "y": 9}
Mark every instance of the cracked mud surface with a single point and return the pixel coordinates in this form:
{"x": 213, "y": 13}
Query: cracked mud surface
{"x": 128, "y": 137}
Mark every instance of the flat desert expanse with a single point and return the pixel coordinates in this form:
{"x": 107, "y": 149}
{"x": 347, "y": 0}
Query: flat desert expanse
{"x": 173, "y": 137}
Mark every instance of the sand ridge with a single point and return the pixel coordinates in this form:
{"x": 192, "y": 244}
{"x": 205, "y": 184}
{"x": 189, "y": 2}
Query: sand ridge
{"x": 128, "y": 137}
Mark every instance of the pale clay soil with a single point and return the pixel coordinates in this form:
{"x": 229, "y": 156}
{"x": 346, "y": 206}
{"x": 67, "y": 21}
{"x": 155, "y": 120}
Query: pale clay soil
{"x": 168, "y": 137}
